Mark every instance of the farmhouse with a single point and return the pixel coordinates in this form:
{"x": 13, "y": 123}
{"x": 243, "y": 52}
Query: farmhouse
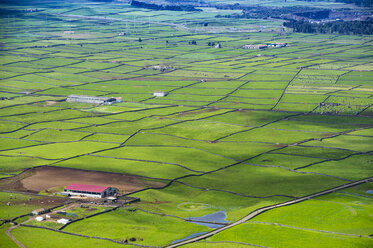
{"x": 90, "y": 190}
{"x": 159, "y": 93}
{"x": 277, "y": 45}
{"x": 93, "y": 99}
{"x": 39, "y": 211}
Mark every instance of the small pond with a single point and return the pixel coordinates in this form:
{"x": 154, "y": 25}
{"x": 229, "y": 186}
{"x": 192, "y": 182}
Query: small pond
{"x": 67, "y": 214}
{"x": 217, "y": 217}
{"x": 189, "y": 237}
{"x": 369, "y": 191}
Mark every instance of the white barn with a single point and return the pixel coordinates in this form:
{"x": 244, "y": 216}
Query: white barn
{"x": 159, "y": 93}
{"x": 93, "y": 99}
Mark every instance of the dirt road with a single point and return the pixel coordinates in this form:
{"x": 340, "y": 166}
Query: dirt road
{"x": 12, "y": 237}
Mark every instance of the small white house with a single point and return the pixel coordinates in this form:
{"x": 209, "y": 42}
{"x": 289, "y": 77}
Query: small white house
{"x": 39, "y": 218}
{"x": 159, "y": 93}
{"x": 63, "y": 221}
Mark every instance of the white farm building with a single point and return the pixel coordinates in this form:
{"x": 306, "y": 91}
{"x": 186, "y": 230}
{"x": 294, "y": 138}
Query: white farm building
{"x": 93, "y": 99}
{"x": 159, "y": 93}
{"x": 90, "y": 190}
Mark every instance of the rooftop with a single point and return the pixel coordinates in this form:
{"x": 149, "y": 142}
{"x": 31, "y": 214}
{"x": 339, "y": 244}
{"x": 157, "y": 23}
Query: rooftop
{"x": 87, "y": 188}
{"x": 89, "y": 97}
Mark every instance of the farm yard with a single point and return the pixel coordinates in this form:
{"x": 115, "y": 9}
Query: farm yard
{"x": 38, "y": 180}
{"x": 238, "y": 130}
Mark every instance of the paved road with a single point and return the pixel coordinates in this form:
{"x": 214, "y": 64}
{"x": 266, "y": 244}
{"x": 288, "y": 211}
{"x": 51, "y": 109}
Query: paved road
{"x": 261, "y": 210}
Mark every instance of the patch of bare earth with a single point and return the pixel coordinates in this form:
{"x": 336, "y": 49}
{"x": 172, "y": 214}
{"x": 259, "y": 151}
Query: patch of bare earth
{"x": 44, "y": 178}
{"x": 50, "y": 103}
{"x": 38, "y": 201}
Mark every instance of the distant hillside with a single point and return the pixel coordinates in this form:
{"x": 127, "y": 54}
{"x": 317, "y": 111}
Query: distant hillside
{"x": 358, "y": 2}
{"x": 363, "y": 3}
{"x": 336, "y": 27}
{"x": 156, "y": 6}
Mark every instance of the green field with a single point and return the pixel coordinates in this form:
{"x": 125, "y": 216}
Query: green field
{"x": 238, "y": 130}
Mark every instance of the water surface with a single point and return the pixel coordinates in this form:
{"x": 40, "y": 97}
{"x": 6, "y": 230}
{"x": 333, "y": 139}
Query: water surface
{"x": 217, "y": 217}
{"x": 189, "y": 237}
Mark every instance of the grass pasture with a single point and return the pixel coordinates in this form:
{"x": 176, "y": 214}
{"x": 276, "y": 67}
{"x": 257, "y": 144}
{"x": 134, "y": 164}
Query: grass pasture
{"x": 237, "y": 130}
{"x": 139, "y": 225}
{"x": 306, "y": 221}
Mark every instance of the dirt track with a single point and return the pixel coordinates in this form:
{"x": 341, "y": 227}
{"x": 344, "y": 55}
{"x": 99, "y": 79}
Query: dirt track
{"x": 7, "y": 232}
{"x": 45, "y": 178}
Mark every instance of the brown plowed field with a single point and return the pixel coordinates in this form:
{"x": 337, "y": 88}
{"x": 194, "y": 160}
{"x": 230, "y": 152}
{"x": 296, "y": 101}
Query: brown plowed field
{"x": 46, "y": 178}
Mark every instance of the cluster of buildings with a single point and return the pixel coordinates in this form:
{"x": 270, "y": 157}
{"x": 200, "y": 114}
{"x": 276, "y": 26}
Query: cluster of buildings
{"x": 262, "y": 46}
{"x": 30, "y": 10}
{"x": 40, "y": 218}
{"x": 80, "y": 190}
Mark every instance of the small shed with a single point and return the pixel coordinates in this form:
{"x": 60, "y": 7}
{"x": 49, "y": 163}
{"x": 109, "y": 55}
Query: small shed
{"x": 39, "y": 218}
{"x": 159, "y": 93}
{"x": 63, "y": 221}
{"x": 39, "y": 211}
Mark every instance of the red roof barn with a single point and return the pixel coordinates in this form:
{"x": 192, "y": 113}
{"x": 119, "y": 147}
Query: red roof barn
{"x": 90, "y": 190}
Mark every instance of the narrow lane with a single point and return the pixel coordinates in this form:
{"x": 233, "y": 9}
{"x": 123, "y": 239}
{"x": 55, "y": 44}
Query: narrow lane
{"x": 12, "y": 237}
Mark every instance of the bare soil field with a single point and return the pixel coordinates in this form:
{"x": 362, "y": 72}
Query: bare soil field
{"x": 45, "y": 201}
{"x": 46, "y": 178}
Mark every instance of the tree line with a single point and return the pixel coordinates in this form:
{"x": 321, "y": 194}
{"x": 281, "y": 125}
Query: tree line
{"x": 333, "y": 27}
{"x": 163, "y": 7}
{"x": 363, "y": 3}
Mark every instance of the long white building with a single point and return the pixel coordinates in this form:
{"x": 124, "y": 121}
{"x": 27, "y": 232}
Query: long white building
{"x": 93, "y": 99}
{"x": 90, "y": 190}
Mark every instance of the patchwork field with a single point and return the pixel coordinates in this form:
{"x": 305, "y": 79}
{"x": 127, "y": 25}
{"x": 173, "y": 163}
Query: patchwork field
{"x": 238, "y": 130}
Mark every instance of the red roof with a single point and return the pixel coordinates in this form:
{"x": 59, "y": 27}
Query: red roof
{"x": 87, "y": 188}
